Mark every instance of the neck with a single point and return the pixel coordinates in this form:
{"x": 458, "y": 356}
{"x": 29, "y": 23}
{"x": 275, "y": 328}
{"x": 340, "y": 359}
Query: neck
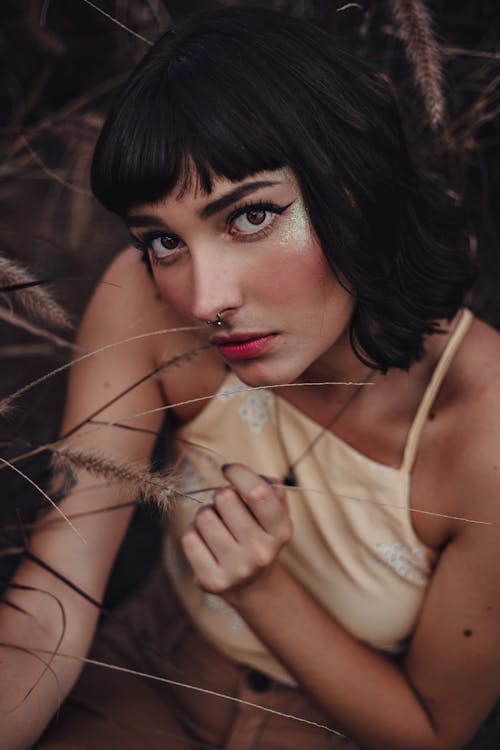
{"x": 338, "y": 365}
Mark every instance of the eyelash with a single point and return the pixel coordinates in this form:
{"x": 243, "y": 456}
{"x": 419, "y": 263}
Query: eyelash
{"x": 143, "y": 244}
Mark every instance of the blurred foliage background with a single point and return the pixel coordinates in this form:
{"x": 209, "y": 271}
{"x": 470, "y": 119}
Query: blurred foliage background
{"x": 62, "y": 61}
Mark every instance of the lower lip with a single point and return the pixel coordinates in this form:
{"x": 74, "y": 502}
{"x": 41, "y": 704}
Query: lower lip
{"x": 246, "y": 349}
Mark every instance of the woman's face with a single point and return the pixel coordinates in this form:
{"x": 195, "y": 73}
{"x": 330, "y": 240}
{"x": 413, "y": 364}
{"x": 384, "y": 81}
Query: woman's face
{"x": 248, "y": 252}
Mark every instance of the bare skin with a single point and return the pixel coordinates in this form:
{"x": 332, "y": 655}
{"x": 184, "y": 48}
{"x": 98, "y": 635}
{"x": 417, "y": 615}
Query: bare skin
{"x": 449, "y": 681}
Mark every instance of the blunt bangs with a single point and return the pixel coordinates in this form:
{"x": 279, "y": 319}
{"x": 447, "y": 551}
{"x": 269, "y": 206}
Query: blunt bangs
{"x": 219, "y": 97}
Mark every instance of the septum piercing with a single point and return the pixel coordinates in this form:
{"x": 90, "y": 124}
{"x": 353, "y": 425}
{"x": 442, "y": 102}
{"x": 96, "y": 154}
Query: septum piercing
{"x": 217, "y": 322}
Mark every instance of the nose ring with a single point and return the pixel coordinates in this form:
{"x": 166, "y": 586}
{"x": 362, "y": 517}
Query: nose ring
{"x": 217, "y": 322}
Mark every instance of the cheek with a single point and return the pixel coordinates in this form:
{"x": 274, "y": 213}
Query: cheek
{"x": 174, "y": 288}
{"x": 300, "y": 272}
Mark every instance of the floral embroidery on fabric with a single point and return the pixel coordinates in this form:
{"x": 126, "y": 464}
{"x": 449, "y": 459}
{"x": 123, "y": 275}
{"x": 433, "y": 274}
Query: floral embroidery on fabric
{"x": 256, "y": 409}
{"x": 403, "y": 561}
{"x": 229, "y": 392}
{"x": 193, "y": 480}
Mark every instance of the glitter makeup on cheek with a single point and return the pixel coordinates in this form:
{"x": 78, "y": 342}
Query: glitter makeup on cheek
{"x": 296, "y": 229}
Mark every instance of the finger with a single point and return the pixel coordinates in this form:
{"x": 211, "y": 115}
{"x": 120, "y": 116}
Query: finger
{"x": 216, "y": 535}
{"x": 277, "y": 484}
{"x": 237, "y": 517}
{"x": 202, "y": 561}
{"x": 264, "y": 501}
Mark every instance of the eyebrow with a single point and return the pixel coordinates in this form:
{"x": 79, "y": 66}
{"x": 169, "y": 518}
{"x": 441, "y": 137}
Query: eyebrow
{"x": 145, "y": 220}
{"x": 226, "y": 200}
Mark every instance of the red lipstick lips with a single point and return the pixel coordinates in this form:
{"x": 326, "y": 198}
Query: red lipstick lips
{"x": 243, "y": 346}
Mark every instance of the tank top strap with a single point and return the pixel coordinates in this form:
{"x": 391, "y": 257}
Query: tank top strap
{"x": 432, "y": 389}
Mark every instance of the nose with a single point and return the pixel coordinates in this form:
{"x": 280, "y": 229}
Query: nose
{"x": 217, "y": 285}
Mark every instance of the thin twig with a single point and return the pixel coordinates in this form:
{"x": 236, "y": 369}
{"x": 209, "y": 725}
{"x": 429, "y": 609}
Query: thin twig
{"x": 50, "y": 172}
{"x": 470, "y": 52}
{"x": 16, "y": 279}
{"x": 67, "y": 365}
{"x": 39, "y": 489}
{"x": 17, "y": 320}
{"x": 406, "y": 508}
{"x": 239, "y": 389}
{"x": 24, "y": 587}
{"x": 205, "y": 691}
{"x": 118, "y": 23}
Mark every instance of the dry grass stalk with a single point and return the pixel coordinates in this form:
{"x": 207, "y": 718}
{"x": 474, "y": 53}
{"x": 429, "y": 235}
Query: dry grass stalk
{"x": 118, "y": 23}
{"x": 423, "y": 53}
{"x": 50, "y": 172}
{"x": 11, "y": 318}
{"x": 161, "y": 488}
{"x": 36, "y": 300}
{"x": 42, "y": 492}
{"x": 188, "y": 686}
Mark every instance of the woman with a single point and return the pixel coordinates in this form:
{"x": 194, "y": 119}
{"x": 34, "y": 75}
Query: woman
{"x": 288, "y": 240}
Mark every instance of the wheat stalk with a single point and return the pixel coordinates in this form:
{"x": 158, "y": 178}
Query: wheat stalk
{"x": 423, "y": 53}
{"x": 161, "y": 488}
{"x": 17, "y": 280}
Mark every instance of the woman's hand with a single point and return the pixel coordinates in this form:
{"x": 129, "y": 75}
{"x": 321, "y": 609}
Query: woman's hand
{"x": 234, "y": 542}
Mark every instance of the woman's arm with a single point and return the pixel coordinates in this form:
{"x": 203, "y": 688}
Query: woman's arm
{"x": 117, "y": 311}
{"x": 450, "y": 678}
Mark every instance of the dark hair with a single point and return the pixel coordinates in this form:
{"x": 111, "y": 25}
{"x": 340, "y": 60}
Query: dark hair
{"x": 234, "y": 91}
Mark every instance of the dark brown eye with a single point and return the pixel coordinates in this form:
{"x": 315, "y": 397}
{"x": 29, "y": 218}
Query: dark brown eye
{"x": 163, "y": 245}
{"x": 169, "y": 243}
{"x": 256, "y": 216}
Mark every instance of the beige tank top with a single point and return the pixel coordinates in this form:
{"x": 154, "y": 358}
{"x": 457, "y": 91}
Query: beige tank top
{"x": 354, "y": 548}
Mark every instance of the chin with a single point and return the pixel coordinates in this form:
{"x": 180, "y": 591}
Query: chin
{"x": 260, "y": 373}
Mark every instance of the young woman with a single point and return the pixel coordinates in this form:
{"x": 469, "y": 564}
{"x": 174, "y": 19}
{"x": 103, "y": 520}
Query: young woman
{"x": 333, "y": 557}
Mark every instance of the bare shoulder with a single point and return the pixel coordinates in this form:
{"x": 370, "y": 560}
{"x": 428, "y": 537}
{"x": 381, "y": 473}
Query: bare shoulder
{"x": 474, "y": 431}
{"x": 457, "y": 472}
{"x": 125, "y": 299}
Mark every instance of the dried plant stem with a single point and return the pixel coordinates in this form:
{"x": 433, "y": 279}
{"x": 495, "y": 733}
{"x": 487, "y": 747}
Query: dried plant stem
{"x": 370, "y": 501}
{"x": 175, "y": 360}
{"x": 44, "y": 494}
{"x": 72, "y": 106}
{"x": 57, "y": 443}
{"x": 118, "y": 23}
{"x": 15, "y": 278}
{"x": 59, "y": 640}
{"x": 50, "y": 172}
{"x": 239, "y": 389}
{"x": 424, "y": 54}
{"x": 206, "y": 691}
{"x": 158, "y": 487}
{"x": 35, "y": 653}
{"x": 26, "y": 350}
{"x": 152, "y": 373}
{"x": 446, "y": 50}
{"x": 16, "y": 320}
{"x": 25, "y": 388}
{"x": 51, "y": 521}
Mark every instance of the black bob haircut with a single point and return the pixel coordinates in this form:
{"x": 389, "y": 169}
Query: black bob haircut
{"x": 234, "y": 91}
